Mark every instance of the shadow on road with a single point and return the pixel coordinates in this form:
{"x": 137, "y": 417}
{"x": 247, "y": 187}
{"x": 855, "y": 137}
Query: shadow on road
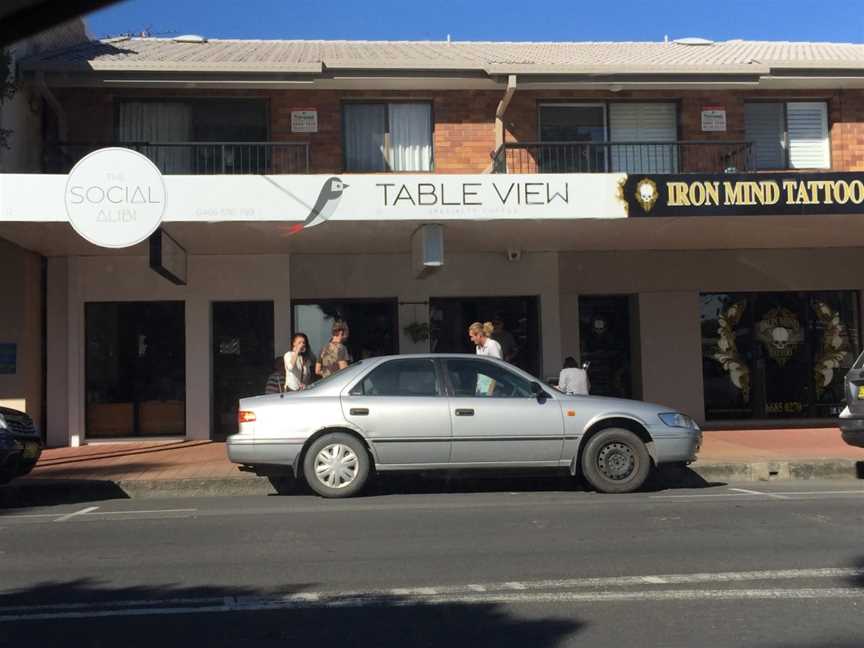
{"x": 50, "y": 492}
{"x": 513, "y": 481}
{"x": 381, "y": 622}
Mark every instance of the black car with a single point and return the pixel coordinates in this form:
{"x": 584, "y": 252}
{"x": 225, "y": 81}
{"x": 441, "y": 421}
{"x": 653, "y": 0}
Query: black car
{"x": 852, "y": 416}
{"x": 20, "y": 444}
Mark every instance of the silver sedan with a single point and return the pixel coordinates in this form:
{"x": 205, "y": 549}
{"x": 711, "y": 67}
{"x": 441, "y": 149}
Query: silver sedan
{"x": 427, "y": 412}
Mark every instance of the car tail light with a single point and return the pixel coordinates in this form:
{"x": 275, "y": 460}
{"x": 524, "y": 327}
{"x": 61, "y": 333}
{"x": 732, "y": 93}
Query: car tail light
{"x": 245, "y": 416}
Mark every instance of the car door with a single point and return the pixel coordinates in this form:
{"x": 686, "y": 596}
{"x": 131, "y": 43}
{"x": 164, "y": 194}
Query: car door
{"x": 402, "y": 410}
{"x": 496, "y": 416}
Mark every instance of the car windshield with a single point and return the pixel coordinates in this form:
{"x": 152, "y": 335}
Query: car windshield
{"x": 859, "y": 362}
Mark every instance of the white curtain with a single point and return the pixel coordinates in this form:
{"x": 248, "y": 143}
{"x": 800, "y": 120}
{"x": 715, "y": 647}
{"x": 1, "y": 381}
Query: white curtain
{"x": 411, "y": 136}
{"x": 147, "y": 122}
{"x": 365, "y": 126}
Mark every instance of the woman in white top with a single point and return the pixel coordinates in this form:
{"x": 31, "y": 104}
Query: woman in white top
{"x": 485, "y": 345}
{"x": 572, "y": 379}
{"x": 298, "y": 364}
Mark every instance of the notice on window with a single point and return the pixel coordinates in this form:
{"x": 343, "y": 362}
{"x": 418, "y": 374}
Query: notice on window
{"x": 8, "y": 358}
{"x": 304, "y": 121}
{"x": 713, "y": 119}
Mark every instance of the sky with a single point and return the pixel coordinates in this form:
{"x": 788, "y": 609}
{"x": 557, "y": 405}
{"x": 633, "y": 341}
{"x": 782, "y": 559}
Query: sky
{"x": 501, "y": 20}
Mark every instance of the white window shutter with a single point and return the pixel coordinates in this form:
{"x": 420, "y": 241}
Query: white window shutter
{"x": 646, "y": 123}
{"x": 807, "y": 124}
{"x": 763, "y": 126}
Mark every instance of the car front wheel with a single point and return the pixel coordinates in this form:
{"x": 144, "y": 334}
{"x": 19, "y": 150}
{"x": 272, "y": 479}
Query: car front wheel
{"x": 616, "y": 461}
{"x": 336, "y": 465}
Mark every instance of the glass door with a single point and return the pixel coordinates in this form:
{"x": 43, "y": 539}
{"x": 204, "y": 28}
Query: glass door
{"x": 243, "y": 358}
{"x": 573, "y": 138}
{"x": 135, "y": 370}
{"x": 604, "y": 341}
{"x": 517, "y": 322}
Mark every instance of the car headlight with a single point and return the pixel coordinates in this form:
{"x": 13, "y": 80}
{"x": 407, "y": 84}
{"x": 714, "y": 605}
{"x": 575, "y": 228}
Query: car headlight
{"x": 678, "y": 420}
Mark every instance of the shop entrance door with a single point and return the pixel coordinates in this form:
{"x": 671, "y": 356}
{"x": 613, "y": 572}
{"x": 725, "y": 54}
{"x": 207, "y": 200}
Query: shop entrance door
{"x": 243, "y": 358}
{"x": 135, "y": 369}
{"x": 604, "y": 341}
{"x": 450, "y": 317}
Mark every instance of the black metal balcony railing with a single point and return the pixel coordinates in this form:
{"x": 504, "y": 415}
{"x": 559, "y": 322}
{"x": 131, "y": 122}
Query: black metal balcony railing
{"x": 625, "y": 157}
{"x": 196, "y": 158}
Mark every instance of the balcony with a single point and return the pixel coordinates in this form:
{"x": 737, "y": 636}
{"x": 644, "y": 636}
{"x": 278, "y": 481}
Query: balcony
{"x": 195, "y": 158}
{"x": 624, "y": 157}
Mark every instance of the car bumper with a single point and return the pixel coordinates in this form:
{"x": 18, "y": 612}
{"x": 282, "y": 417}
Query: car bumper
{"x": 241, "y": 448}
{"x": 851, "y": 429}
{"x": 675, "y": 448}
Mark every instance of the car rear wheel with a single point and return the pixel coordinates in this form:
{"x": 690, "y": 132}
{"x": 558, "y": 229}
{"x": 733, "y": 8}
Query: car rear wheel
{"x": 616, "y": 461}
{"x": 336, "y": 465}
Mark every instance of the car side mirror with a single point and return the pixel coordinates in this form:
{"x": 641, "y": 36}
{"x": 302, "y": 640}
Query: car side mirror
{"x": 539, "y": 392}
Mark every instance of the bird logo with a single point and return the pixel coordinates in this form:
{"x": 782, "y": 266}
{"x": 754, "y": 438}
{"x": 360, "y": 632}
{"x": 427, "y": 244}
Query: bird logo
{"x": 328, "y": 199}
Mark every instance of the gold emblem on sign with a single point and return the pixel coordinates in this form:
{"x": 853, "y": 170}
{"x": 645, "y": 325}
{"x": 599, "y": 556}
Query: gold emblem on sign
{"x": 647, "y": 194}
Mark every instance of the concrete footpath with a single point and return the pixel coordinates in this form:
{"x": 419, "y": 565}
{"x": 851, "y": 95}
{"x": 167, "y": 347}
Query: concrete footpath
{"x": 201, "y": 468}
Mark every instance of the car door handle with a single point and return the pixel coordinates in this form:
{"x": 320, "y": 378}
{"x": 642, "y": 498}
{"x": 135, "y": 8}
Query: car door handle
{"x": 359, "y": 411}
{"x": 464, "y": 412}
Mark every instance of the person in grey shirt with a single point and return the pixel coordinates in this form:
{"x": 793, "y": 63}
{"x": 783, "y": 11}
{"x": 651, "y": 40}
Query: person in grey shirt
{"x": 505, "y": 338}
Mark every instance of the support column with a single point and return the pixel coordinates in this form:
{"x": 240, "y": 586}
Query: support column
{"x": 57, "y": 350}
{"x": 671, "y": 351}
{"x": 199, "y": 372}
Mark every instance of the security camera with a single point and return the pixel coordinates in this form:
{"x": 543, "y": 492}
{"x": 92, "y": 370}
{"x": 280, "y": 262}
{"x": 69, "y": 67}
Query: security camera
{"x": 514, "y": 255}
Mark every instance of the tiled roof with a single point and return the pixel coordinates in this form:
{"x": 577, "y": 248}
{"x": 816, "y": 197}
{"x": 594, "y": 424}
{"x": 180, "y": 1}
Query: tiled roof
{"x": 160, "y": 54}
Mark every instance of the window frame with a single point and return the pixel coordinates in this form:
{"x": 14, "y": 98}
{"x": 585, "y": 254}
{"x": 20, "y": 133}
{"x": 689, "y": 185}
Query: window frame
{"x": 440, "y": 386}
{"x": 784, "y": 103}
{"x": 451, "y": 390}
{"x": 388, "y": 149}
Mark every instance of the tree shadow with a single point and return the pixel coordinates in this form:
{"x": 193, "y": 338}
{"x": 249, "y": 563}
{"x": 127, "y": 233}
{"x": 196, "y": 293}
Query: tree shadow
{"x": 128, "y": 451}
{"x": 166, "y": 615}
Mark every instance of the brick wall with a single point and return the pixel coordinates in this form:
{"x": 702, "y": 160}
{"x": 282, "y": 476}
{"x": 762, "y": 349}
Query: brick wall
{"x": 464, "y": 134}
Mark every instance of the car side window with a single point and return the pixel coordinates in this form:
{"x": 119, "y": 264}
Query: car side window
{"x": 479, "y": 378}
{"x": 412, "y": 377}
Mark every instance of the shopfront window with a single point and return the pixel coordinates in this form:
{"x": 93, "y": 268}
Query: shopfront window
{"x": 371, "y": 323}
{"x": 605, "y": 324}
{"x": 777, "y": 355}
{"x": 135, "y": 369}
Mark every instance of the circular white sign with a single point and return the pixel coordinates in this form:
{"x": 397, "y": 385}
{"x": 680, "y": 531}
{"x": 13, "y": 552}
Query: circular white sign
{"x": 115, "y": 197}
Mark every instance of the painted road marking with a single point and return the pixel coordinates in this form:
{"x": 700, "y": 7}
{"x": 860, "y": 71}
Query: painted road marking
{"x": 83, "y": 511}
{"x": 606, "y": 589}
{"x": 755, "y": 492}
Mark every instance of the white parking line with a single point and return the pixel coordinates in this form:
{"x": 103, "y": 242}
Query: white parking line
{"x": 599, "y": 590}
{"x": 69, "y": 516}
{"x": 754, "y": 492}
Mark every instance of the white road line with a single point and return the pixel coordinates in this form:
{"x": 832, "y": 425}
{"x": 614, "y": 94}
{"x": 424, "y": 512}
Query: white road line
{"x": 229, "y": 604}
{"x": 695, "y": 495}
{"x": 755, "y": 492}
{"x": 514, "y": 591}
{"x": 91, "y": 511}
{"x": 83, "y": 511}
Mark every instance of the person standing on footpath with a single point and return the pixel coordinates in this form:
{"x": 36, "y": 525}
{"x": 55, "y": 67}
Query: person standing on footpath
{"x": 480, "y": 335}
{"x": 334, "y": 356}
{"x": 276, "y": 380}
{"x": 298, "y": 364}
{"x": 573, "y": 379}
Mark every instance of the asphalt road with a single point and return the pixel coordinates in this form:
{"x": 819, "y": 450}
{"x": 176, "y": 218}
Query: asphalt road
{"x": 508, "y": 564}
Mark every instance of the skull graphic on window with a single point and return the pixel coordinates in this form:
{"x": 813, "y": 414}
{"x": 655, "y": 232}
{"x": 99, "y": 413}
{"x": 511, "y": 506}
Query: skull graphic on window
{"x": 647, "y": 194}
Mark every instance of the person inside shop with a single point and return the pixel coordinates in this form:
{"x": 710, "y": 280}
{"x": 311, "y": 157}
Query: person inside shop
{"x": 334, "y": 356}
{"x": 276, "y": 380}
{"x": 298, "y": 364}
{"x": 573, "y": 379}
{"x": 505, "y": 338}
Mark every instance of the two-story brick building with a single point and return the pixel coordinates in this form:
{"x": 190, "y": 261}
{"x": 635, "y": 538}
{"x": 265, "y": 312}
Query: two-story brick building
{"x": 741, "y": 308}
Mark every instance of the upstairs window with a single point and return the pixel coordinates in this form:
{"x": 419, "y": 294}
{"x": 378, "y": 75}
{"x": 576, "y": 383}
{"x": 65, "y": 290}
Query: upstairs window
{"x": 790, "y": 135}
{"x": 388, "y": 137}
